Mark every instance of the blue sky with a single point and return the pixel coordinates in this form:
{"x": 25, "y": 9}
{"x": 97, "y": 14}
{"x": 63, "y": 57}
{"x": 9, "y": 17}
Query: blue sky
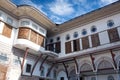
{"x": 60, "y": 11}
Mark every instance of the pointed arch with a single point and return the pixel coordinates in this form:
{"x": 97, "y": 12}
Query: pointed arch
{"x": 117, "y": 59}
{"x": 104, "y": 62}
{"x": 85, "y": 65}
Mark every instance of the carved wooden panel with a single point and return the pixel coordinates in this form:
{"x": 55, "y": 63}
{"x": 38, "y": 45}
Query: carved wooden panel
{"x": 2, "y": 75}
{"x": 113, "y": 35}
{"x": 7, "y": 31}
{"x": 85, "y": 42}
{"x": 41, "y": 40}
{"x": 68, "y": 48}
{"x": 33, "y": 36}
{"x": 3, "y": 71}
{"x": 24, "y": 33}
{"x": 95, "y": 40}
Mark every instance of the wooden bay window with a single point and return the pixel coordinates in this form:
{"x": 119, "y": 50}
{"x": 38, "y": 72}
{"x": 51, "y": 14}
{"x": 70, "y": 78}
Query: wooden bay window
{"x": 33, "y": 36}
{"x": 24, "y": 33}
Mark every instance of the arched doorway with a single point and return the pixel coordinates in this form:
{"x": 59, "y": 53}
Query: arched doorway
{"x": 85, "y": 70}
{"x": 105, "y": 67}
{"x": 72, "y": 75}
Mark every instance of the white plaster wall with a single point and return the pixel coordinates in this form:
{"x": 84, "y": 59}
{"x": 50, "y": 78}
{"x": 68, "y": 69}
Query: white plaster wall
{"x": 103, "y": 36}
{"x": 4, "y": 18}
{"x": 101, "y": 25}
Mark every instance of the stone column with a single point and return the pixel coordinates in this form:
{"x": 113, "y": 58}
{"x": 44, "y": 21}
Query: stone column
{"x": 118, "y": 74}
{"x": 96, "y": 76}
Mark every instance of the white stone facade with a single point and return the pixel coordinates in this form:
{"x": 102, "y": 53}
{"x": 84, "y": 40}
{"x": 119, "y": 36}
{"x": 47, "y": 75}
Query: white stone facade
{"x": 23, "y": 55}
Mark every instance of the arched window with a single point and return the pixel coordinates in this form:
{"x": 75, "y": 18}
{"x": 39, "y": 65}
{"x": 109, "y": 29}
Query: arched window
{"x": 110, "y": 77}
{"x": 84, "y": 32}
{"x": 110, "y": 23}
{"x": 51, "y": 40}
{"x": 75, "y": 34}
{"x": 93, "y": 78}
{"x": 93, "y": 29}
{"x": 67, "y": 37}
{"x": 58, "y": 38}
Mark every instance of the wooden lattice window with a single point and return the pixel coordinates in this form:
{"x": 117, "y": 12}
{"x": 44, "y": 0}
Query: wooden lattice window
{"x": 113, "y": 35}
{"x": 85, "y": 42}
{"x": 7, "y": 30}
{"x": 95, "y": 40}
{"x": 33, "y": 36}
{"x": 24, "y": 33}
{"x": 76, "y": 45}
{"x": 41, "y": 40}
{"x": 68, "y": 48}
{"x": 57, "y": 47}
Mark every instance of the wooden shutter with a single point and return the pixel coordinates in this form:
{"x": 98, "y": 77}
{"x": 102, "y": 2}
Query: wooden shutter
{"x": 68, "y": 47}
{"x": 85, "y": 42}
{"x": 7, "y": 31}
{"x": 41, "y": 40}
{"x": 24, "y": 33}
{"x": 57, "y": 47}
{"x": 76, "y": 45}
{"x": 33, "y": 36}
{"x": 95, "y": 40}
{"x": 113, "y": 35}
{"x": 3, "y": 71}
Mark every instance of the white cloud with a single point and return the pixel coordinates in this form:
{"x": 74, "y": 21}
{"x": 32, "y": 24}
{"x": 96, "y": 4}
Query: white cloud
{"x": 105, "y": 2}
{"x": 57, "y": 19}
{"x": 61, "y": 7}
{"x": 29, "y": 2}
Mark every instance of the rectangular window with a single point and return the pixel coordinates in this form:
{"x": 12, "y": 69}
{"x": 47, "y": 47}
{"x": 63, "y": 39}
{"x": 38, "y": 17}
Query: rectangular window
{"x": 85, "y": 42}
{"x": 68, "y": 48}
{"x": 33, "y": 36}
{"x": 28, "y": 68}
{"x": 58, "y": 47}
{"x": 113, "y": 35}
{"x": 50, "y": 47}
{"x": 7, "y": 30}
{"x": 95, "y": 40}
{"x": 25, "y": 23}
{"x": 41, "y": 30}
{"x": 76, "y": 45}
{"x": 61, "y": 78}
{"x": 9, "y": 20}
{"x": 35, "y": 26}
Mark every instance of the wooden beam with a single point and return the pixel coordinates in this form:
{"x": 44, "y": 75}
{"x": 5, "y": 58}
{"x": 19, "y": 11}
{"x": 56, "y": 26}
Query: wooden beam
{"x": 50, "y": 69}
{"x": 43, "y": 62}
{"x": 66, "y": 70}
{"x": 36, "y": 63}
{"x": 76, "y": 65}
{"x": 92, "y": 59}
{"x": 24, "y": 57}
{"x": 113, "y": 58}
